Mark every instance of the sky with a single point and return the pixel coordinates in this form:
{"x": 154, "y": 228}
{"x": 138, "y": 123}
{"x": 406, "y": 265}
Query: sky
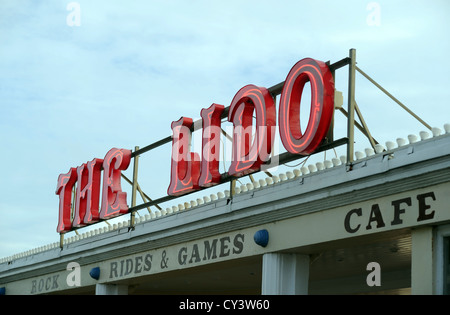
{"x": 78, "y": 78}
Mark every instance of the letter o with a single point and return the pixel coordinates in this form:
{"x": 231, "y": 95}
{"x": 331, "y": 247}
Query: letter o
{"x": 322, "y": 106}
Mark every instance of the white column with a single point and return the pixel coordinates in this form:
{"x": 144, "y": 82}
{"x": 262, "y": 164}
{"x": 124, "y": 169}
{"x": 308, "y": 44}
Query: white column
{"x": 111, "y": 289}
{"x": 440, "y": 261}
{"x": 422, "y": 280}
{"x": 285, "y": 274}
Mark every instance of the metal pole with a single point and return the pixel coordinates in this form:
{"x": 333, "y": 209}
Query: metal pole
{"x": 357, "y": 125}
{"x": 330, "y": 134}
{"x": 134, "y": 189}
{"x": 351, "y": 106}
{"x": 366, "y": 129}
{"x": 232, "y": 188}
{"x": 143, "y": 195}
{"x": 393, "y": 98}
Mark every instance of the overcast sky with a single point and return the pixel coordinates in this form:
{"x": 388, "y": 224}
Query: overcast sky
{"x": 79, "y": 78}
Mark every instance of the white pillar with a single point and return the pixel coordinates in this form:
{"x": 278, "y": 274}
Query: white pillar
{"x": 422, "y": 280}
{"x": 111, "y": 289}
{"x": 285, "y": 274}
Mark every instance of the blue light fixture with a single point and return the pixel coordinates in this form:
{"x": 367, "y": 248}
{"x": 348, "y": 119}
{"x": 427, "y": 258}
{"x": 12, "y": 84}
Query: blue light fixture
{"x": 95, "y": 273}
{"x": 261, "y": 237}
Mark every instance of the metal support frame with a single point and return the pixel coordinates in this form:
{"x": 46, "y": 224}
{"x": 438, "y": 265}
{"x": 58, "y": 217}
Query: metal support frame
{"x": 351, "y": 107}
{"x": 283, "y": 158}
{"x": 134, "y": 188}
{"x": 363, "y": 122}
{"x": 361, "y": 128}
{"x": 143, "y": 195}
{"x": 393, "y": 98}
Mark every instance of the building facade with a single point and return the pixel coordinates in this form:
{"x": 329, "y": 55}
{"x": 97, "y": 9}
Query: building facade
{"x": 378, "y": 226}
{"x": 373, "y": 222}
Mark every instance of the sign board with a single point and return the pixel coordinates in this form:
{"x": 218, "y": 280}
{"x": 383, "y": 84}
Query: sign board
{"x": 251, "y": 146}
{"x": 388, "y": 213}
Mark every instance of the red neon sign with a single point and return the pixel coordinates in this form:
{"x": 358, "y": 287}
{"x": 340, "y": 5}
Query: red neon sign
{"x": 248, "y": 155}
{"x": 189, "y": 171}
{"x": 87, "y": 177}
{"x": 88, "y": 193}
{"x": 185, "y": 165}
{"x": 322, "y": 106}
{"x": 114, "y": 201}
{"x": 209, "y": 170}
{"x": 64, "y": 190}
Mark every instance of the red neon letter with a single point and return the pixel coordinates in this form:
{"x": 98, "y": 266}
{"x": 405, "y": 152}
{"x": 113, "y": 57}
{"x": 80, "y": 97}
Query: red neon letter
{"x": 246, "y": 159}
{"x": 114, "y": 201}
{"x": 209, "y": 173}
{"x": 322, "y": 106}
{"x": 88, "y": 193}
{"x": 185, "y": 166}
{"x": 64, "y": 190}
